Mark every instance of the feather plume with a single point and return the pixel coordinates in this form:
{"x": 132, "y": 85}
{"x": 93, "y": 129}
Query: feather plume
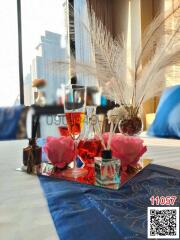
{"x": 158, "y": 52}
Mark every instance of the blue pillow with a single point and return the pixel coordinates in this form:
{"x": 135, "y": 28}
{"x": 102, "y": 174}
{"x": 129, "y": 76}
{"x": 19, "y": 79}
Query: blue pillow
{"x": 167, "y": 120}
{"x": 9, "y": 119}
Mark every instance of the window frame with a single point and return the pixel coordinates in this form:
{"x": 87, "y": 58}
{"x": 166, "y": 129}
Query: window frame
{"x": 20, "y": 53}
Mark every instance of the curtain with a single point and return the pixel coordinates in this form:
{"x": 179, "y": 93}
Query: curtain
{"x": 104, "y": 11}
{"x": 83, "y": 42}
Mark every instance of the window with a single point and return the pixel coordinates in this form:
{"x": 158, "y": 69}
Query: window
{"x": 44, "y": 43}
{"x": 9, "y": 71}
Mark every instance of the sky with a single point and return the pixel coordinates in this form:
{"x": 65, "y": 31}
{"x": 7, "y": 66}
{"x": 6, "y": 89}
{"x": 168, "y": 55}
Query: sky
{"x": 37, "y": 16}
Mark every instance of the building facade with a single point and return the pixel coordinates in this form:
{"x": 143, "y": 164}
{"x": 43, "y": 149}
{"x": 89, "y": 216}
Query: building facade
{"x": 45, "y": 65}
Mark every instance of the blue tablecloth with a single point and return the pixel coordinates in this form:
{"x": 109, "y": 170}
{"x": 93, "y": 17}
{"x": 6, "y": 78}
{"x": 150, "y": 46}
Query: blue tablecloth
{"x": 82, "y": 212}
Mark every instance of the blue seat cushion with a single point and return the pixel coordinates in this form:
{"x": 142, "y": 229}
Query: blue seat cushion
{"x": 9, "y": 119}
{"x": 167, "y": 121}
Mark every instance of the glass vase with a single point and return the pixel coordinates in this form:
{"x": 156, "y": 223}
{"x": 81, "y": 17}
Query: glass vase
{"x": 90, "y": 145}
{"x": 132, "y": 124}
{"x": 40, "y": 100}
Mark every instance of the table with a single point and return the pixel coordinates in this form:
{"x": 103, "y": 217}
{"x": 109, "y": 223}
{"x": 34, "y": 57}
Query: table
{"x": 23, "y": 209}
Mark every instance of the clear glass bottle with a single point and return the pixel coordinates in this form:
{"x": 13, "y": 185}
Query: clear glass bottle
{"x": 32, "y": 157}
{"x": 90, "y": 145}
{"x": 107, "y": 171}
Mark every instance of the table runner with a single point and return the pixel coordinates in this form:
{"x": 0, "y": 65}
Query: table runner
{"x": 88, "y": 212}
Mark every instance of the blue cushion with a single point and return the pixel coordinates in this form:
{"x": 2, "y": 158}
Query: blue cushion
{"x": 9, "y": 118}
{"x": 167, "y": 120}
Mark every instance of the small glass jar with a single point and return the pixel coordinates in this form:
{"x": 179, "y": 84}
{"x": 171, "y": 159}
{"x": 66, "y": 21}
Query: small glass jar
{"x": 107, "y": 171}
{"x": 132, "y": 124}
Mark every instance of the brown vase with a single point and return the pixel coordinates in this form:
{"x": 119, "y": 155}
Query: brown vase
{"x": 132, "y": 124}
